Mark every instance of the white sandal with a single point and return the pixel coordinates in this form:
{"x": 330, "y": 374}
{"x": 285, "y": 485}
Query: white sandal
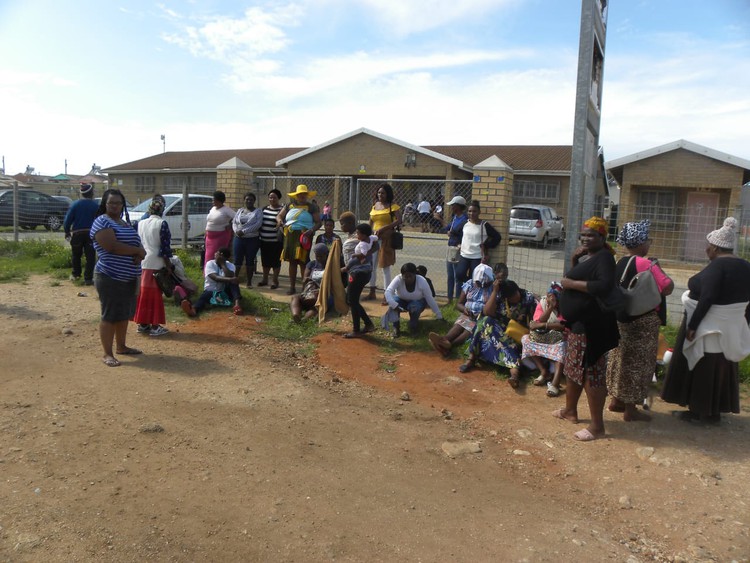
{"x": 552, "y": 391}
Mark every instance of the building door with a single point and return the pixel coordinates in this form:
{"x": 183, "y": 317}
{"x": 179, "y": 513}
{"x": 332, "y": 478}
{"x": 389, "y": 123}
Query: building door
{"x": 700, "y": 220}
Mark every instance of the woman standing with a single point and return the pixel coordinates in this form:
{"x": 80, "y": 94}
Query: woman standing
{"x": 359, "y": 275}
{"x": 301, "y": 218}
{"x": 271, "y": 240}
{"x": 714, "y": 333}
{"x": 472, "y": 251}
{"x": 218, "y": 226}
{"x": 545, "y": 340}
{"x": 246, "y": 226}
{"x": 385, "y": 216}
{"x": 591, "y": 332}
{"x": 156, "y": 239}
{"x": 455, "y": 230}
{"x": 489, "y": 341}
{"x": 631, "y": 365}
{"x": 116, "y": 273}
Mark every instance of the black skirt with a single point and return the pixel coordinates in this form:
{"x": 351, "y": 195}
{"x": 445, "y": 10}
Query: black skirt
{"x": 709, "y": 389}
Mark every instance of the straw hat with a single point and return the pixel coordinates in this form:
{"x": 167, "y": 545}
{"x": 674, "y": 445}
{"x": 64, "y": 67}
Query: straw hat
{"x": 302, "y": 189}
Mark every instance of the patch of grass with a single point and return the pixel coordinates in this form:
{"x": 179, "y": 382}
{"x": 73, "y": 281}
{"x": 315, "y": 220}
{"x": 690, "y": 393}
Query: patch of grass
{"x": 18, "y": 260}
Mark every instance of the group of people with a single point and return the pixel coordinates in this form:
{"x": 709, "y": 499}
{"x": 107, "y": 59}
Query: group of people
{"x": 574, "y": 332}
{"x": 570, "y": 332}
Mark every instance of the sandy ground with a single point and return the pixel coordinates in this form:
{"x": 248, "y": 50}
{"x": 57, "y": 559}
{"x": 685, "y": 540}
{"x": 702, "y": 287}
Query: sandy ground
{"x": 220, "y": 444}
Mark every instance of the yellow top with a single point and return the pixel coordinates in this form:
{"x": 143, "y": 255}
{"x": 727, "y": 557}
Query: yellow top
{"x": 382, "y": 217}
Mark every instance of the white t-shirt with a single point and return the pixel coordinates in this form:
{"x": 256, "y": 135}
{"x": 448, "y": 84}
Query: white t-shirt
{"x": 219, "y": 219}
{"x": 213, "y": 268}
{"x": 397, "y": 288}
{"x": 364, "y": 246}
{"x": 423, "y": 207}
{"x": 472, "y": 240}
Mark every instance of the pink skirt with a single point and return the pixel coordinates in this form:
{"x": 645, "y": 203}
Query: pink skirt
{"x": 150, "y": 307}
{"x": 216, "y": 240}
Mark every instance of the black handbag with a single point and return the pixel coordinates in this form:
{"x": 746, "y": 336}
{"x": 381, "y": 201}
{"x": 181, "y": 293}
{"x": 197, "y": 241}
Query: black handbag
{"x": 165, "y": 280}
{"x": 397, "y": 240}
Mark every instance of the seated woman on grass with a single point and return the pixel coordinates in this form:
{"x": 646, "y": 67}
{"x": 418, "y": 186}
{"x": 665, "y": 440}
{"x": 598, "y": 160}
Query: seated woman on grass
{"x": 221, "y": 283}
{"x": 473, "y": 296}
{"x": 305, "y": 302}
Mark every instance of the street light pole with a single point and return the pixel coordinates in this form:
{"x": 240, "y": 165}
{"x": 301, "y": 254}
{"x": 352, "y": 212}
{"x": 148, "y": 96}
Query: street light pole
{"x": 163, "y": 143}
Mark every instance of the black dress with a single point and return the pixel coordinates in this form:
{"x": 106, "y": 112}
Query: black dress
{"x": 581, "y": 310}
{"x": 712, "y": 386}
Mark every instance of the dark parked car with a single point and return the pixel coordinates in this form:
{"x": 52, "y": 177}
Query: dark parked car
{"x": 35, "y": 208}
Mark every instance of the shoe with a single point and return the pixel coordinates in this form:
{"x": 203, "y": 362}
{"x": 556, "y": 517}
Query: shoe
{"x": 262, "y": 283}
{"x": 144, "y": 329}
{"x": 396, "y": 330}
{"x": 73, "y": 278}
{"x": 466, "y": 367}
{"x": 237, "y": 310}
{"x": 274, "y": 286}
{"x": 353, "y": 334}
{"x": 187, "y": 306}
{"x": 552, "y": 391}
{"x": 368, "y": 329}
{"x": 158, "y": 331}
{"x": 513, "y": 381}
{"x": 88, "y": 282}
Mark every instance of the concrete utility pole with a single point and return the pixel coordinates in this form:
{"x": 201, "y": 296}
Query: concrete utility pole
{"x": 585, "y": 157}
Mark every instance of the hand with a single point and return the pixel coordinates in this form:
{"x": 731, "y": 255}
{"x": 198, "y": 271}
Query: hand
{"x": 484, "y": 259}
{"x": 566, "y": 283}
{"x": 690, "y": 335}
{"x": 67, "y": 237}
{"x": 551, "y": 302}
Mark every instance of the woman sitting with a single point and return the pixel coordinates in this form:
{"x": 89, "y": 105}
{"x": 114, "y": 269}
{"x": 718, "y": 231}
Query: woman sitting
{"x": 489, "y": 341}
{"x": 474, "y": 294}
{"x": 408, "y": 292}
{"x": 545, "y": 341}
{"x": 305, "y": 301}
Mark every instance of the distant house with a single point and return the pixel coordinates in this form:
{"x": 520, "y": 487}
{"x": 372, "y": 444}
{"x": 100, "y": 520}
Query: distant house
{"x": 541, "y": 173}
{"x": 685, "y": 189}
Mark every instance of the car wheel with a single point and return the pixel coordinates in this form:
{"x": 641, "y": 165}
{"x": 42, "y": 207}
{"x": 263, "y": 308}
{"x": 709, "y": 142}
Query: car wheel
{"x": 562, "y": 235}
{"x": 52, "y": 222}
{"x": 545, "y": 240}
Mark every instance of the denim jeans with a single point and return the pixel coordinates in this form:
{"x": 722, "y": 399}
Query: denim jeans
{"x": 465, "y": 268}
{"x": 454, "y": 284}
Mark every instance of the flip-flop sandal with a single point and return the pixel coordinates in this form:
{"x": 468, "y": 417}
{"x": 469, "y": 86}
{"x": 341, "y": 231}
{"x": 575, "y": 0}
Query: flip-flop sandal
{"x": 541, "y": 380}
{"x": 237, "y": 310}
{"x": 111, "y": 362}
{"x": 585, "y": 435}
{"x": 129, "y": 352}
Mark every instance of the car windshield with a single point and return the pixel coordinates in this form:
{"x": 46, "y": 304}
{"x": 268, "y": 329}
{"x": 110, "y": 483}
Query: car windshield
{"x": 143, "y": 206}
{"x": 524, "y": 213}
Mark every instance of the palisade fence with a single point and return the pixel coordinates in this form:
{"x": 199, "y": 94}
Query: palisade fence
{"x": 678, "y": 233}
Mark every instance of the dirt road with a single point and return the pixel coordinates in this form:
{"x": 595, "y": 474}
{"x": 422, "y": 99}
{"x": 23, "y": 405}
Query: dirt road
{"x": 219, "y": 444}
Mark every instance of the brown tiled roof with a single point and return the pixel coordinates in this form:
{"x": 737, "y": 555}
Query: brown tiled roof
{"x": 518, "y": 157}
{"x": 523, "y": 157}
{"x": 257, "y": 158}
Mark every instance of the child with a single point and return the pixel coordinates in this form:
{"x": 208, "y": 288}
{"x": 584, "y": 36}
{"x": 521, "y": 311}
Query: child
{"x": 220, "y": 279}
{"x": 422, "y": 271}
{"x": 327, "y": 236}
{"x": 305, "y": 302}
{"x": 326, "y": 210}
{"x": 366, "y": 239}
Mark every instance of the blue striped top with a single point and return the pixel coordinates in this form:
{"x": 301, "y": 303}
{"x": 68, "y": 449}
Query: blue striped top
{"x": 116, "y": 266}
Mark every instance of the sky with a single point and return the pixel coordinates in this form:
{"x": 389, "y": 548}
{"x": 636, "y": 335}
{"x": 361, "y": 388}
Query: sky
{"x": 96, "y": 82}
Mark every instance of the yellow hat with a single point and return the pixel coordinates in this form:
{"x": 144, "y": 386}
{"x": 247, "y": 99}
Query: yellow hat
{"x": 302, "y": 189}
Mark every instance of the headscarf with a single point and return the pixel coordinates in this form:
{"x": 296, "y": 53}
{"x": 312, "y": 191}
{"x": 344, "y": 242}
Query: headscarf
{"x": 508, "y": 289}
{"x": 483, "y": 275}
{"x": 156, "y": 207}
{"x": 634, "y": 234}
{"x": 725, "y": 237}
{"x": 597, "y": 224}
{"x": 555, "y": 288}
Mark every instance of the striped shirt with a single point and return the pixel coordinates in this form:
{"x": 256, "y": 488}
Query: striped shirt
{"x": 268, "y": 230}
{"x": 116, "y": 266}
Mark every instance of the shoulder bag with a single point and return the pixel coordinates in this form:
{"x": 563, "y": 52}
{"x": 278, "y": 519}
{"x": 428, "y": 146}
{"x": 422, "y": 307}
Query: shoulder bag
{"x": 165, "y": 280}
{"x": 642, "y": 293}
{"x": 397, "y": 237}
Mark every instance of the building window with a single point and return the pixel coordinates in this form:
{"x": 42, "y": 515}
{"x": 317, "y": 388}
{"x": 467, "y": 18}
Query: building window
{"x": 145, "y": 184}
{"x": 531, "y": 190}
{"x": 203, "y": 184}
{"x": 658, "y": 206}
{"x": 173, "y": 184}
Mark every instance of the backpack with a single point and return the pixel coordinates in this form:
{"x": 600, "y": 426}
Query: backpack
{"x": 493, "y": 237}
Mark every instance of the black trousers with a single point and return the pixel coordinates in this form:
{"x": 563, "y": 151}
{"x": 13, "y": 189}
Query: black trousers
{"x": 357, "y": 282}
{"x": 80, "y": 245}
